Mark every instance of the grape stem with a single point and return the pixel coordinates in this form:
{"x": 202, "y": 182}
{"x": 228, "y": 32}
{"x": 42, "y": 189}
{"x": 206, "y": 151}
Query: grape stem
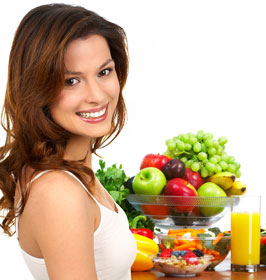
{"x": 187, "y": 153}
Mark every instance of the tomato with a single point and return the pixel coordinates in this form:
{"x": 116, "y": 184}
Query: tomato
{"x": 263, "y": 240}
{"x": 156, "y": 211}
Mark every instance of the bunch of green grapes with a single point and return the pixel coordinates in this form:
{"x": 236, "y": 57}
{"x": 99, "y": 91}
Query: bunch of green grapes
{"x": 202, "y": 153}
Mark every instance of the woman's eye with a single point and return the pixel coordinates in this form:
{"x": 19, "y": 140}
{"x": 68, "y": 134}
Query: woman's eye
{"x": 105, "y": 72}
{"x": 71, "y": 82}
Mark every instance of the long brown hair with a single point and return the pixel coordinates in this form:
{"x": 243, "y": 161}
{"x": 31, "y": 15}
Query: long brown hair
{"x": 35, "y": 78}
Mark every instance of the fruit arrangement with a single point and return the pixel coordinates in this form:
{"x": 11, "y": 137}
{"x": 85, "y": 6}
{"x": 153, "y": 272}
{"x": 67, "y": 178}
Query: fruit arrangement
{"x": 195, "y": 243}
{"x": 194, "y": 166}
{"x": 202, "y": 153}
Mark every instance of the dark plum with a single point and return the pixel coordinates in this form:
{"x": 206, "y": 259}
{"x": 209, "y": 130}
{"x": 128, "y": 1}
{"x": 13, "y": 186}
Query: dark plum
{"x": 174, "y": 168}
{"x": 128, "y": 184}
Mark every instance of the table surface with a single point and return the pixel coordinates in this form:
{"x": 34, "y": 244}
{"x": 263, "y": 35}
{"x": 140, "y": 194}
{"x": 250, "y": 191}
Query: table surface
{"x": 222, "y": 272}
{"x": 206, "y": 275}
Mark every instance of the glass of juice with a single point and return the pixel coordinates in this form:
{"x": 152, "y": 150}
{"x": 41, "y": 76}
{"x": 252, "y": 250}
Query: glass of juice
{"x": 245, "y": 233}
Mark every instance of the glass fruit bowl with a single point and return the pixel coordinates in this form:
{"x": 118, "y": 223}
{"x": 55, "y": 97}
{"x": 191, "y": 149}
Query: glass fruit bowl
{"x": 180, "y": 267}
{"x": 172, "y": 211}
{"x": 204, "y": 244}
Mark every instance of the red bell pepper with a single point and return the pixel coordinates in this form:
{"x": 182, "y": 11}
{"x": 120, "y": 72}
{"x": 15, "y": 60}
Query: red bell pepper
{"x": 141, "y": 231}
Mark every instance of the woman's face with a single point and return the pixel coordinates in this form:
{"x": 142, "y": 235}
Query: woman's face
{"x": 87, "y": 102}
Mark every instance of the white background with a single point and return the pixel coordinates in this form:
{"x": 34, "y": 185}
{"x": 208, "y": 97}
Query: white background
{"x": 193, "y": 65}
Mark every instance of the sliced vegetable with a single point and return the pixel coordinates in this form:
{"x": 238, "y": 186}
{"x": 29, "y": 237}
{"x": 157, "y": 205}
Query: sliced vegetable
{"x": 218, "y": 238}
{"x": 187, "y": 246}
{"x": 181, "y": 232}
{"x": 210, "y": 242}
{"x": 215, "y": 230}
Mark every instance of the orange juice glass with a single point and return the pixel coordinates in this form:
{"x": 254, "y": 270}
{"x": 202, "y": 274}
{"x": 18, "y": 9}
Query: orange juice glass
{"x": 245, "y": 233}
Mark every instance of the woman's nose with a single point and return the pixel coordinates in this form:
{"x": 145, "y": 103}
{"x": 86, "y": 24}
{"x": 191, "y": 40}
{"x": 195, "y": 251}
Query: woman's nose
{"x": 94, "y": 92}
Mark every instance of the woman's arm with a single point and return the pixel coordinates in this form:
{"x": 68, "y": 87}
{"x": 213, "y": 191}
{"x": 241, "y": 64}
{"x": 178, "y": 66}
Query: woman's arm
{"x": 63, "y": 221}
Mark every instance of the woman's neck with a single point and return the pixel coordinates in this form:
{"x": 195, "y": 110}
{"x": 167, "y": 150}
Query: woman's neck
{"x": 79, "y": 148}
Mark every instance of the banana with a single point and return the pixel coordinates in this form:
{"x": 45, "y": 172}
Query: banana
{"x": 224, "y": 179}
{"x": 238, "y": 188}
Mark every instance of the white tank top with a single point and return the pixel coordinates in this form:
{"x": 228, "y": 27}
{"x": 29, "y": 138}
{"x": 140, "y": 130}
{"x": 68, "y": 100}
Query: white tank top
{"x": 114, "y": 245}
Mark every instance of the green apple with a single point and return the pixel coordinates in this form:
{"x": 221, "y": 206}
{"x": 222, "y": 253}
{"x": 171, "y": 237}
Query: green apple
{"x": 149, "y": 180}
{"x": 211, "y": 190}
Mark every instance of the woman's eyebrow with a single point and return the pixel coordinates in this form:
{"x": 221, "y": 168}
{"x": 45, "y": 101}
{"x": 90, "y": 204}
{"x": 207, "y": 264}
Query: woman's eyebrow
{"x": 69, "y": 72}
{"x": 106, "y": 62}
{"x": 66, "y": 72}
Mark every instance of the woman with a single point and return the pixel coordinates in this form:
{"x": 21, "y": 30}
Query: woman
{"x": 67, "y": 69}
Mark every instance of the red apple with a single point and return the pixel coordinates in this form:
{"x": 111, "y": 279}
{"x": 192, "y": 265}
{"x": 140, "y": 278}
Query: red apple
{"x": 154, "y": 160}
{"x": 184, "y": 190}
{"x": 193, "y": 178}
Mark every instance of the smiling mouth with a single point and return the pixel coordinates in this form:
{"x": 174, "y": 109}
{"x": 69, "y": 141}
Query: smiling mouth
{"x": 93, "y": 115}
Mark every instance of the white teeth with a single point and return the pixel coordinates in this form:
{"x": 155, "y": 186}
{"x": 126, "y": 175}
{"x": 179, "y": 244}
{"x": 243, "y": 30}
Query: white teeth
{"x": 93, "y": 115}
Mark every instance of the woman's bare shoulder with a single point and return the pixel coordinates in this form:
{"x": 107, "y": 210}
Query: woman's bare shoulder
{"x": 54, "y": 183}
{"x": 61, "y": 218}
{"x": 57, "y": 192}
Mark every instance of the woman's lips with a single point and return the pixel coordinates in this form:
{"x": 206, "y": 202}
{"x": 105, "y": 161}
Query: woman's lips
{"x": 94, "y": 115}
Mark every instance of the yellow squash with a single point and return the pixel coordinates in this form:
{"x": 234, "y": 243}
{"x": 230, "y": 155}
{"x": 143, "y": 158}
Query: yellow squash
{"x": 145, "y": 248}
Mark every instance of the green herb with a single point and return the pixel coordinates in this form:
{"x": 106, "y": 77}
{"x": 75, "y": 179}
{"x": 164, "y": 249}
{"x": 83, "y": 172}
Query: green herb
{"x": 113, "y": 179}
{"x": 215, "y": 230}
{"x": 222, "y": 246}
{"x": 168, "y": 242}
{"x": 206, "y": 242}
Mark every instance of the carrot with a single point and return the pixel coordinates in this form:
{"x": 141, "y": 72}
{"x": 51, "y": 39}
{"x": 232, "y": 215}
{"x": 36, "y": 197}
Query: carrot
{"x": 193, "y": 232}
{"x": 182, "y": 247}
{"x": 218, "y": 238}
{"x": 170, "y": 231}
{"x": 186, "y": 246}
{"x": 198, "y": 246}
{"x": 215, "y": 253}
{"x": 215, "y": 258}
{"x": 177, "y": 234}
{"x": 211, "y": 252}
{"x": 218, "y": 257}
{"x": 176, "y": 242}
{"x": 184, "y": 241}
{"x": 184, "y": 230}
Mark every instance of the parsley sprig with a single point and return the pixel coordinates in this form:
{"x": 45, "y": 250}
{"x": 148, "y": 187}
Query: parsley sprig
{"x": 113, "y": 179}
